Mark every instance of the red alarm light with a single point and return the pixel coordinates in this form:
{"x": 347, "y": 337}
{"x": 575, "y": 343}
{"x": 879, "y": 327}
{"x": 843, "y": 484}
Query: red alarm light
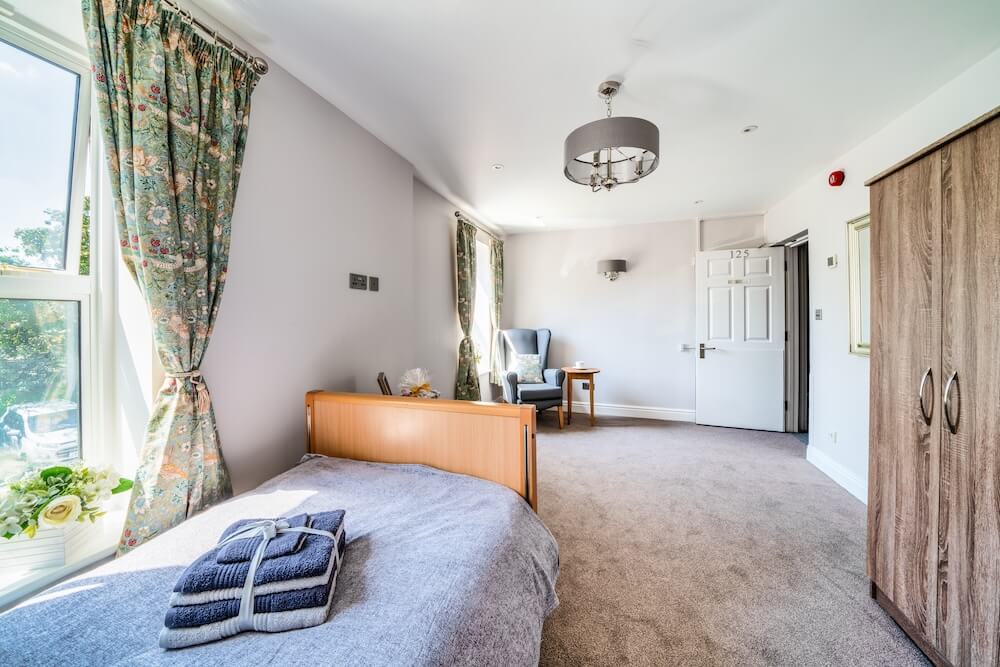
{"x": 837, "y": 178}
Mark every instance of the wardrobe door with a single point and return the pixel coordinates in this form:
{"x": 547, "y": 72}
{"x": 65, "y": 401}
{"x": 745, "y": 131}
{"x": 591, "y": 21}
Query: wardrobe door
{"x": 905, "y": 432}
{"x": 969, "y": 533}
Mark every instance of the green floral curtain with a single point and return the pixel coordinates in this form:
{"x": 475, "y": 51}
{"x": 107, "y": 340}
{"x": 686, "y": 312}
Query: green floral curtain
{"x": 174, "y": 110}
{"x": 467, "y": 379}
{"x": 496, "y": 309}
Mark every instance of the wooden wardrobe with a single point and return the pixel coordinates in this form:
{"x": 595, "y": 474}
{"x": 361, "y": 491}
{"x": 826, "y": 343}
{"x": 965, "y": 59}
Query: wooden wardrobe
{"x": 934, "y": 469}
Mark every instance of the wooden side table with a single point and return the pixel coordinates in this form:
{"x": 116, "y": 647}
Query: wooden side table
{"x": 587, "y": 375}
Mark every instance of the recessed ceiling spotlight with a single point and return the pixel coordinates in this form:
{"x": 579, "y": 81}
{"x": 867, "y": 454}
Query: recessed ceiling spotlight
{"x": 699, "y": 201}
{"x": 749, "y": 128}
{"x": 498, "y": 167}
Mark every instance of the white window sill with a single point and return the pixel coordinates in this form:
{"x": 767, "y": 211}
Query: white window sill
{"x": 16, "y": 585}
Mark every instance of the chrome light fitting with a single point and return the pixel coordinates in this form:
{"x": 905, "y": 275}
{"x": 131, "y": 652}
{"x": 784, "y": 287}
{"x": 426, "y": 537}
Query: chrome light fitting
{"x": 611, "y": 268}
{"x": 611, "y": 151}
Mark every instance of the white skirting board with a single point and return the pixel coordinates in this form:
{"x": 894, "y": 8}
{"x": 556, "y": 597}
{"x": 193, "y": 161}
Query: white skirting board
{"x": 640, "y": 411}
{"x": 856, "y": 486}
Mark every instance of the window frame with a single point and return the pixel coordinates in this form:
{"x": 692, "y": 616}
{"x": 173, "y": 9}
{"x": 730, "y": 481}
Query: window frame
{"x": 76, "y": 62}
{"x": 483, "y": 263}
{"x": 97, "y": 294}
{"x": 17, "y": 282}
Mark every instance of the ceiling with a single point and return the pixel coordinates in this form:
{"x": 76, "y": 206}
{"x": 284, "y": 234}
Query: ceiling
{"x": 456, "y": 86}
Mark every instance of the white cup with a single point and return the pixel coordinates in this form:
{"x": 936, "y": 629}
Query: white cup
{"x": 579, "y": 364}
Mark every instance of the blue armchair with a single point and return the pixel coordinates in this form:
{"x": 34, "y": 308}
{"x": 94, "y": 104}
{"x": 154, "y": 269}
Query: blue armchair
{"x": 548, "y": 394}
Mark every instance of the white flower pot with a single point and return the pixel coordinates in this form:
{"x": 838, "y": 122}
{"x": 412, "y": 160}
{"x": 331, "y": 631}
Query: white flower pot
{"x": 51, "y": 547}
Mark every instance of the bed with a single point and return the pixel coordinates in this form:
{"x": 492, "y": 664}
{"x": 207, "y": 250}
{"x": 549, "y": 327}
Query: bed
{"x": 446, "y": 564}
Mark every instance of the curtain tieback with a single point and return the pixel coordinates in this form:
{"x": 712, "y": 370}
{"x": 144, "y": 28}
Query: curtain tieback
{"x": 204, "y": 400}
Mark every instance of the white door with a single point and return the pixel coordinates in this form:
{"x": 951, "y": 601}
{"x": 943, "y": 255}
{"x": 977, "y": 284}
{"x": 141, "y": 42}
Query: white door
{"x": 740, "y": 308}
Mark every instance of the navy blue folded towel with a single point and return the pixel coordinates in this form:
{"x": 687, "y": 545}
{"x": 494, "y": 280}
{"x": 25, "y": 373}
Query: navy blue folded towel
{"x": 205, "y": 574}
{"x": 281, "y": 544}
{"x": 191, "y": 616}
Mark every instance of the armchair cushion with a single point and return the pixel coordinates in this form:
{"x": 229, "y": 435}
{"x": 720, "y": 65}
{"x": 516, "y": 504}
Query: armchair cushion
{"x": 528, "y": 368}
{"x": 529, "y": 393}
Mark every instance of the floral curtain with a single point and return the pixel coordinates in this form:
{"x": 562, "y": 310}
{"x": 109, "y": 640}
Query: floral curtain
{"x": 467, "y": 379}
{"x": 174, "y": 110}
{"x": 496, "y": 309}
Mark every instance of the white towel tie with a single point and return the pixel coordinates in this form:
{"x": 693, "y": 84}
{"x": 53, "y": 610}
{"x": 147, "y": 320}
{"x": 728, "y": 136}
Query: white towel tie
{"x": 266, "y": 529}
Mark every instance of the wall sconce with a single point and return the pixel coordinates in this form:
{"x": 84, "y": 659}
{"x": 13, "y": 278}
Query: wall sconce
{"x": 611, "y": 268}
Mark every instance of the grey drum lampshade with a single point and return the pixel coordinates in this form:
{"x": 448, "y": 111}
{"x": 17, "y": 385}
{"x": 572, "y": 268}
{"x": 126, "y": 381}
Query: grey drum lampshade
{"x": 611, "y": 151}
{"x": 612, "y": 267}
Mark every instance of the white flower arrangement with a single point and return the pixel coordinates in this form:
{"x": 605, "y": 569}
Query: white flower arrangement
{"x": 55, "y": 496}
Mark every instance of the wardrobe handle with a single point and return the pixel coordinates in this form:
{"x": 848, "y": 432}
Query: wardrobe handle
{"x": 952, "y": 425}
{"x": 928, "y": 375}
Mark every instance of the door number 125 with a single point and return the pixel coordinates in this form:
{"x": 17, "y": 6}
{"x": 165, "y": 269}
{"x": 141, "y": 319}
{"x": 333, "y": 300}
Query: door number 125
{"x": 739, "y": 253}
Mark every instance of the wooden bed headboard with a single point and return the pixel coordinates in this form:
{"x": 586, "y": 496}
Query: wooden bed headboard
{"x": 491, "y": 441}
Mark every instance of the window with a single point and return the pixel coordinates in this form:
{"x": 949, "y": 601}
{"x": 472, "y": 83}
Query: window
{"x": 482, "y": 327}
{"x": 47, "y": 292}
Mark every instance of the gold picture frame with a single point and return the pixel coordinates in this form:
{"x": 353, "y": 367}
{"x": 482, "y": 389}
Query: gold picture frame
{"x": 860, "y": 284}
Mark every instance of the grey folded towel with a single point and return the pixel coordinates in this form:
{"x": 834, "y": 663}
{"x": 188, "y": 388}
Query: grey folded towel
{"x": 281, "y": 621}
{"x": 205, "y": 574}
{"x": 188, "y": 616}
{"x": 282, "y": 544}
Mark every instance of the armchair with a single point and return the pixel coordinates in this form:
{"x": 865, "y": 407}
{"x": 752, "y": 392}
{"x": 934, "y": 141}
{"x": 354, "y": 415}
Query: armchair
{"x": 548, "y": 394}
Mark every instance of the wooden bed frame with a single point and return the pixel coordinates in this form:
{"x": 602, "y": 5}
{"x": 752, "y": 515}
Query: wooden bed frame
{"x": 492, "y": 441}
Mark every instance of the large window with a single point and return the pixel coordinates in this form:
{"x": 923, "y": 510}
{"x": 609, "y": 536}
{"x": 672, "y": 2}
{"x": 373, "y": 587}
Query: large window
{"x": 482, "y": 328}
{"x": 47, "y": 293}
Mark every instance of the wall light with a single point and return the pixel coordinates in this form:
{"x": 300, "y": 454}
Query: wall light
{"x": 611, "y": 268}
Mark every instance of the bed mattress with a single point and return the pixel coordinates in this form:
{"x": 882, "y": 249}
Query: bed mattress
{"x": 440, "y": 569}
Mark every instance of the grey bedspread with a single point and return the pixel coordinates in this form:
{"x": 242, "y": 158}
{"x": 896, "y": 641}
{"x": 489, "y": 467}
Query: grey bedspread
{"x": 440, "y": 569}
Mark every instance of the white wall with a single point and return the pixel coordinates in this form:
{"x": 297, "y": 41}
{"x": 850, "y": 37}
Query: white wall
{"x": 319, "y": 197}
{"x": 436, "y": 322}
{"x": 839, "y": 380}
{"x": 630, "y": 328}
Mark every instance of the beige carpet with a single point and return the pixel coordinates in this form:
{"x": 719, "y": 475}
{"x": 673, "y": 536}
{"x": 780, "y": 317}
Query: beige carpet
{"x": 691, "y": 545}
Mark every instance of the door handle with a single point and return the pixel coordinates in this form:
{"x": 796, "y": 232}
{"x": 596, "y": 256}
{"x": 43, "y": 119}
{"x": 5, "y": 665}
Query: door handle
{"x": 952, "y": 424}
{"x": 701, "y": 350}
{"x": 928, "y": 376}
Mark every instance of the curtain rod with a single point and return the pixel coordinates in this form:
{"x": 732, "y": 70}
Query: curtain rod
{"x": 461, "y": 216}
{"x": 258, "y": 65}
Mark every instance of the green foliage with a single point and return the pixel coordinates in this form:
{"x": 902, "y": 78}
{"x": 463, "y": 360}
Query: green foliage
{"x": 85, "y": 239}
{"x": 44, "y": 246}
{"x": 33, "y": 355}
{"x": 33, "y": 333}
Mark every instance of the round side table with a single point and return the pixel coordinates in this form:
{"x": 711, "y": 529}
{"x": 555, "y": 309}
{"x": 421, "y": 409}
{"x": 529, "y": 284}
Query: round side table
{"x": 587, "y": 375}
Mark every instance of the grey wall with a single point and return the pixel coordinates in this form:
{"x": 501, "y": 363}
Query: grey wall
{"x": 436, "y": 323}
{"x": 630, "y": 328}
{"x": 304, "y": 218}
{"x": 838, "y": 391}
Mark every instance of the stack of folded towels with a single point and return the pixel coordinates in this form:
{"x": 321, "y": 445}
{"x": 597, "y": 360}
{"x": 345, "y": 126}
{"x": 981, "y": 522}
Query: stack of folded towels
{"x": 265, "y": 575}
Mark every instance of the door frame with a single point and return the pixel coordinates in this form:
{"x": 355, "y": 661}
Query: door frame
{"x": 797, "y": 332}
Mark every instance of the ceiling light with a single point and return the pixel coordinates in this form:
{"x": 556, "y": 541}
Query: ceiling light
{"x": 498, "y": 167}
{"x": 612, "y": 268}
{"x": 611, "y": 151}
{"x": 749, "y": 128}
{"x": 699, "y": 201}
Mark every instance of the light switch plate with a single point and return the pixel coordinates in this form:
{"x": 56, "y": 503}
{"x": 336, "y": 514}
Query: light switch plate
{"x": 372, "y": 283}
{"x": 358, "y": 281}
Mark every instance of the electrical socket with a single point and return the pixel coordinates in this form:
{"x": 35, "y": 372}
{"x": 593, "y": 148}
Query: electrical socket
{"x": 586, "y": 385}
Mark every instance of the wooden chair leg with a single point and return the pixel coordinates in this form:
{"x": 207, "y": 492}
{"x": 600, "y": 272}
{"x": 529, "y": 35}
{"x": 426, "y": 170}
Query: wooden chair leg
{"x": 560, "y": 417}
